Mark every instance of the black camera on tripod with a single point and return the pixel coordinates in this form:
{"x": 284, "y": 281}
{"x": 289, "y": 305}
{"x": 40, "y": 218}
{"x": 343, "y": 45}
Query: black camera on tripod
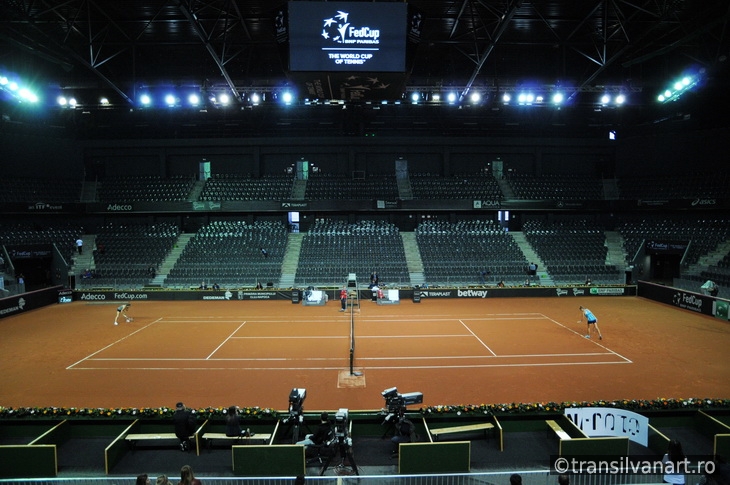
{"x": 395, "y": 402}
{"x": 296, "y": 404}
{"x": 342, "y": 424}
{"x": 341, "y": 445}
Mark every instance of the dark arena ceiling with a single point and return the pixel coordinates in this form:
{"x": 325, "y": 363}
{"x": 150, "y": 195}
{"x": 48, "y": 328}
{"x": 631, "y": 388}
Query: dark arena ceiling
{"x": 119, "y": 49}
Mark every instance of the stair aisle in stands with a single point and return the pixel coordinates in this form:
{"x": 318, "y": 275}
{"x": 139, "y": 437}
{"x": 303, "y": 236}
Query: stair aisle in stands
{"x": 291, "y": 260}
{"x": 169, "y": 262}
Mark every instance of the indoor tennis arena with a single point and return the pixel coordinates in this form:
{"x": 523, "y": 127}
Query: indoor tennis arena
{"x": 418, "y": 242}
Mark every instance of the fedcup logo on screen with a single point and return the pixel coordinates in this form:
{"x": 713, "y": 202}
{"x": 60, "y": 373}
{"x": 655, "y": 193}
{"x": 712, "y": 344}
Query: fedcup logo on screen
{"x": 338, "y": 30}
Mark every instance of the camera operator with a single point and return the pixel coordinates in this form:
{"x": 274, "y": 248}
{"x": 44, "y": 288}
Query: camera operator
{"x": 320, "y": 436}
{"x": 405, "y": 432}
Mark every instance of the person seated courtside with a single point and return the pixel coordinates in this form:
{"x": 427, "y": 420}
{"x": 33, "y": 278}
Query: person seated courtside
{"x": 233, "y": 424}
{"x": 320, "y": 436}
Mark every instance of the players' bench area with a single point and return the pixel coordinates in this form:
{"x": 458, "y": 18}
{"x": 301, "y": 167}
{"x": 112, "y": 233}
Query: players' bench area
{"x": 453, "y": 454}
{"x": 285, "y": 458}
{"x": 438, "y": 430}
{"x": 572, "y": 441}
{"x": 156, "y": 433}
{"x": 145, "y": 432}
{"x": 29, "y": 447}
{"x": 716, "y": 424}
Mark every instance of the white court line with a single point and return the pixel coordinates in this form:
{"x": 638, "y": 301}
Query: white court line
{"x": 475, "y": 336}
{"x": 438, "y": 335}
{"x": 628, "y": 361}
{"x": 220, "y": 359}
{"x": 226, "y": 340}
{"x": 369, "y": 368}
{"x": 424, "y": 357}
{"x": 263, "y": 337}
{"x": 491, "y": 357}
{"x": 201, "y": 321}
{"x": 297, "y": 337}
{"x": 451, "y": 316}
{"x": 112, "y": 344}
{"x": 485, "y": 366}
{"x": 419, "y": 320}
{"x": 365, "y": 319}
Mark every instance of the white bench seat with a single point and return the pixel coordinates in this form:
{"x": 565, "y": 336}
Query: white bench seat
{"x": 210, "y": 437}
{"x": 461, "y": 429}
{"x": 557, "y": 429}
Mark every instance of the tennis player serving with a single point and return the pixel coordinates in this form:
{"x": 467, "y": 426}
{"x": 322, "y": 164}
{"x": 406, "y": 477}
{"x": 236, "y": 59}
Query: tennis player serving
{"x": 591, "y": 321}
{"x": 122, "y": 310}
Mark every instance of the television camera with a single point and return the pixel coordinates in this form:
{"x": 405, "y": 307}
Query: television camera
{"x": 296, "y": 410}
{"x": 296, "y": 403}
{"x": 396, "y": 402}
{"x": 341, "y": 424}
{"x": 342, "y": 443}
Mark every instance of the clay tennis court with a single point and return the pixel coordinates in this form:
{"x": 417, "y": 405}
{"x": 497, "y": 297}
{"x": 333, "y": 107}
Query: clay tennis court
{"x": 252, "y": 353}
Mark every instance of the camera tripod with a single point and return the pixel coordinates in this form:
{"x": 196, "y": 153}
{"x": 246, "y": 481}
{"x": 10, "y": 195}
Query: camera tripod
{"x": 294, "y": 422}
{"x": 394, "y": 415}
{"x": 344, "y": 451}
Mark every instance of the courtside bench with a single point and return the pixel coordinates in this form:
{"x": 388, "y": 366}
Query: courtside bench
{"x": 573, "y": 442}
{"x": 257, "y": 438}
{"x": 133, "y": 438}
{"x": 435, "y": 433}
{"x": 558, "y": 430}
{"x": 564, "y": 428}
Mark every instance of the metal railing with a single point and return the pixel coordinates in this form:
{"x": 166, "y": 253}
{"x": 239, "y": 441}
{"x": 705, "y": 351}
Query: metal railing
{"x": 529, "y": 477}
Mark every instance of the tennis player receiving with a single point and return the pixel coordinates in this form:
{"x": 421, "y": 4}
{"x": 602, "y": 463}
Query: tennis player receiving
{"x": 591, "y": 321}
{"x": 122, "y": 310}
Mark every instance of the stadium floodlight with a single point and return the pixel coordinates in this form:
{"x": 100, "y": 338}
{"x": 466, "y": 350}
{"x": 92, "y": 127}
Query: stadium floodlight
{"x": 506, "y": 98}
{"x": 415, "y": 97}
{"x": 605, "y": 99}
{"x": 287, "y": 97}
{"x": 451, "y": 98}
{"x": 170, "y": 99}
{"x": 145, "y": 99}
{"x": 475, "y": 97}
{"x": 72, "y": 102}
{"x": 193, "y": 99}
{"x": 558, "y": 98}
{"x": 678, "y": 88}
{"x": 26, "y": 94}
{"x": 620, "y": 99}
{"x": 255, "y": 99}
{"x": 224, "y": 99}
{"x": 62, "y": 101}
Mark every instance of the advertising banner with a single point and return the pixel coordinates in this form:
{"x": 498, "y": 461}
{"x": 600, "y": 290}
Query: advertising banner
{"x": 686, "y": 300}
{"x": 365, "y": 294}
{"x": 19, "y": 304}
{"x": 596, "y": 422}
{"x": 172, "y": 295}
